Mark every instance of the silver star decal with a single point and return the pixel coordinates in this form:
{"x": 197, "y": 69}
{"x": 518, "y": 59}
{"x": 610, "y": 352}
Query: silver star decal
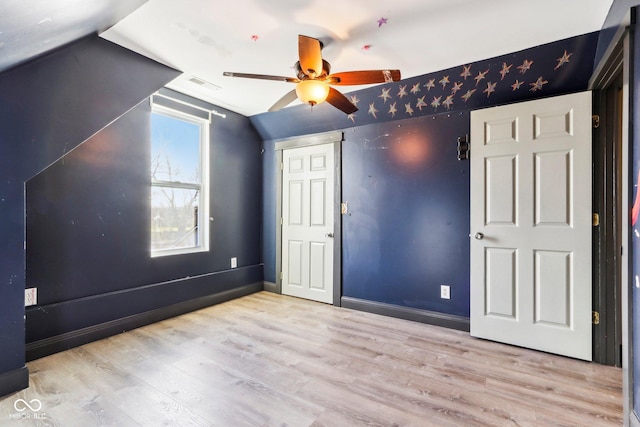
{"x": 385, "y": 94}
{"x": 538, "y": 84}
{"x": 505, "y": 69}
{"x": 466, "y": 71}
{"x": 408, "y": 109}
{"x": 421, "y": 103}
{"x": 564, "y": 59}
{"x": 481, "y": 76}
{"x": 372, "y": 110}
{"x": 491, "y": 87}
{"x": 467, "y": 95}
{"x": 448, "y": 102}
{"x": 430, "y": 84}
{"x": 393, "y": 110}
{"x": 526, "y": 66}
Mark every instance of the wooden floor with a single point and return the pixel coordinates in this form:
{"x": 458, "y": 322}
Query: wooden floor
{"x": 271, "y": 360}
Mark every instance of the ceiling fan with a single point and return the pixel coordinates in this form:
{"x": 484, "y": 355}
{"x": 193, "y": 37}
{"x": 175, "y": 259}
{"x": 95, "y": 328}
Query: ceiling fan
{"x": 313, "y": 79}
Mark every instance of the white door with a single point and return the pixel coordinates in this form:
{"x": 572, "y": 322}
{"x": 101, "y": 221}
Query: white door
{"x": 307, "y": 223}
{"x": 531, "y": 224}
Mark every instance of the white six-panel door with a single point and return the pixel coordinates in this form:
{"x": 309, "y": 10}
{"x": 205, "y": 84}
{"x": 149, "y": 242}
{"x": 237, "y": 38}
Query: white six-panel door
{"x": 531, "y": 224}
{"x": 307, "y": 229}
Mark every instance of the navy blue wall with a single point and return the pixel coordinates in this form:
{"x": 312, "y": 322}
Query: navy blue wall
{"x": 88, "y": 228}
{"x": 407, "y": 230}
{"x": 88, "y": 204}
{"x": 47, "y": 108}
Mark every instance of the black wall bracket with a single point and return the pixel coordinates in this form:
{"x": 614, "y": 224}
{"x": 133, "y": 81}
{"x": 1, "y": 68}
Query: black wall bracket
{"x": 463, "y": 147}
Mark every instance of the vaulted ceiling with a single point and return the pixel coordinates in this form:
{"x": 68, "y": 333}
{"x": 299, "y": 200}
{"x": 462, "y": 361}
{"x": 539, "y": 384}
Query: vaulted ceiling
{"x": 204, "y": 38}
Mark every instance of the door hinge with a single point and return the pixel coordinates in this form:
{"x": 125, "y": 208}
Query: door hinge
{"x": 596, "y": 219}
{"x": 596, "y": 318}
{"x": 596, "y": 121}
{"x": 281, "y": 166}
{"x": 281, "y": 275}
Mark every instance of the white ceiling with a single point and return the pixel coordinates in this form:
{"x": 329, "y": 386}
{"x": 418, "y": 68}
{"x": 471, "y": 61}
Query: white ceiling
{"x": 203, "y": 38}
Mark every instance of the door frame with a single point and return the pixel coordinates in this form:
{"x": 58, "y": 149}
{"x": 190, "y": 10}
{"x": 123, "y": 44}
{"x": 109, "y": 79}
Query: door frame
{"x": 607, "y": 198}
{"x": 618, "y": 54}
{"x": 336, "y": 139}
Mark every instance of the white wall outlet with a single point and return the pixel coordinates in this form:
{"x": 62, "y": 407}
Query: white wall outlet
{"x": 445, "y": 291}
{"x": 234, "y": 262}
{"x": 30, "y": 297}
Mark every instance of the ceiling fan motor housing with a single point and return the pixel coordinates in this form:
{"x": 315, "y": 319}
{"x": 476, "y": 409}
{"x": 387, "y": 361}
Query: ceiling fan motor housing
{"x": 326, "y": 69}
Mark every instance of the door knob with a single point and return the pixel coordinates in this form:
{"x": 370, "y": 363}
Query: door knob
{"x": 329, "y": 235}
{"x": 479, "y": 236}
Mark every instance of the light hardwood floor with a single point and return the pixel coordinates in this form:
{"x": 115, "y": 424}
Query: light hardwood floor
{"x": 271, "y": 360}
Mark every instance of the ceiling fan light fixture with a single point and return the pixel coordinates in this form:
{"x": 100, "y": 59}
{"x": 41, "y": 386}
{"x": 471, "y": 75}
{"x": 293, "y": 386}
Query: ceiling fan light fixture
{"x": 312, "y": 91}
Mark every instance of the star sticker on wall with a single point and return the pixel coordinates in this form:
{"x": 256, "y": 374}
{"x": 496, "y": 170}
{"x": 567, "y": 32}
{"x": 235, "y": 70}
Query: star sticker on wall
{"x": 354, "y": 100}
{"x": 564, "y": 59}
{"x": 468, "y": 94}
{"x": 491, "y": 87}
{"x": 466, "y": 71}
{"x": 537, "y": 85}
{"x": 448, "y": 102}
{"x": 526, "y": 65}
{"x": 393, "y": 110}
{"x": 505, "y": 69}
{"x": 382, "y": 21}
{"x": 372, "y": 110}
{"x": 430, "y": 84}
{"x": 415, "y": 88}
{"x": 436, "y": 102}
{"x": 456, "y": 87}
{"x": 516, "y": 85}
{"x": 352, "y": 117}
{"x": 408, "y": 109}
{"x": 481, "y": 76}
{"x": 385, "y": 94}
{"x": 403, "y": 91}
{"x": 444, "y": 81}
{"x": 421, "y": 103}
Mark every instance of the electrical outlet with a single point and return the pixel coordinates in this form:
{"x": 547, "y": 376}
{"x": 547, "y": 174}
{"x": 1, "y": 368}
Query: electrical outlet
{"x": 30, "y": 297}
{"x": 445, "y": 291}
{"x": 234, "y": 262}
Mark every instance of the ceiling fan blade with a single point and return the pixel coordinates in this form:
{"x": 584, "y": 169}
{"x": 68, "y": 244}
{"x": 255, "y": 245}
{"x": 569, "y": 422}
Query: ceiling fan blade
{"x": 261, "y": 77}
{"x": 341, "y": 102}
{"x": 310, "y": 54}
{"x": 364, "y": 77}
{"x": 284, "y": 101}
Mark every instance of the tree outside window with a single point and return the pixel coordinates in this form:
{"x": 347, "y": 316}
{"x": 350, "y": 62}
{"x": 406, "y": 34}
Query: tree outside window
{"x": 178, "y": 182}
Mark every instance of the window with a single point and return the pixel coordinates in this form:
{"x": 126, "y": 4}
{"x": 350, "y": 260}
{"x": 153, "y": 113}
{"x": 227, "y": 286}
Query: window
{"x": 179, "y": 182}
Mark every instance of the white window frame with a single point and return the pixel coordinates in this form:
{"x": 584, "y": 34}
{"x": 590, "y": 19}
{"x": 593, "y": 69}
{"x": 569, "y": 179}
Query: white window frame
{"x": 204, "y": 186}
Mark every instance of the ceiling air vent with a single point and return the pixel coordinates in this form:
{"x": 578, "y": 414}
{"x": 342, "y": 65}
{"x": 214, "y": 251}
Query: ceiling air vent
{"x": 203, "y": 83}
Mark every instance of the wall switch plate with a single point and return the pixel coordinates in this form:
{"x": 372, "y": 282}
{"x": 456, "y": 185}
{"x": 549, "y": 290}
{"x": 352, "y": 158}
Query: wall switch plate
{"x": 445, "y": 291}
{"x": 30, "y": 297}
{"x": 234, "y": 262}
